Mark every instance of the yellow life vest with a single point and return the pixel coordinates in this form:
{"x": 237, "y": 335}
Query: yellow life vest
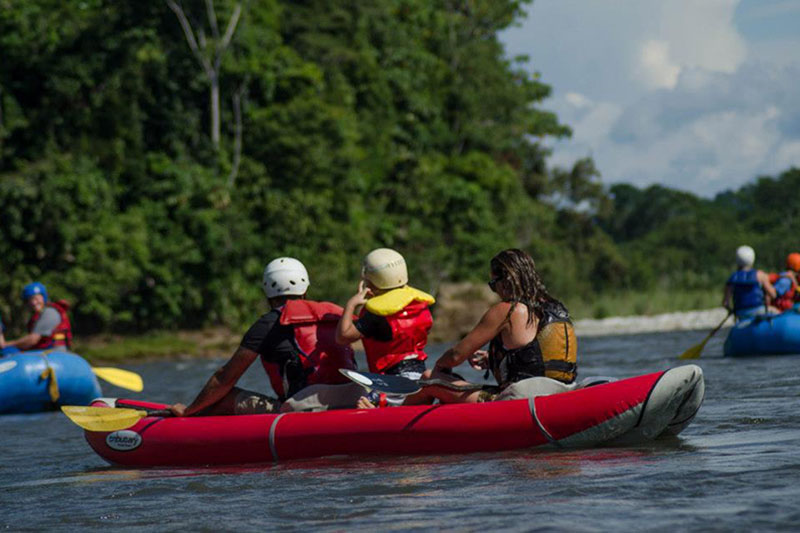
{"x": 396, "y": 300}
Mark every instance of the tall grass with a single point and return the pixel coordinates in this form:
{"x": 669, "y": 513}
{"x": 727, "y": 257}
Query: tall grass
{"x": 118, "y": 348}
{"x": 626, "y": 303}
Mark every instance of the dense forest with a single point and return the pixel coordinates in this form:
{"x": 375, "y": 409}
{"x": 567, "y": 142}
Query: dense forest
{"x": 155, "y": 155}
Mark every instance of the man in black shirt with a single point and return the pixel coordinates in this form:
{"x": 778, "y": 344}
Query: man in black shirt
{"x": 292, "y": 342}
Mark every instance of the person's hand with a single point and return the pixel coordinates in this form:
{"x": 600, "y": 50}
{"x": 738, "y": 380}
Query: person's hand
{"x": 479, "y": 360}
{"x": 361, "y": 297}
{"x": 364, "y": 403}
{"x": 177, "y": 409}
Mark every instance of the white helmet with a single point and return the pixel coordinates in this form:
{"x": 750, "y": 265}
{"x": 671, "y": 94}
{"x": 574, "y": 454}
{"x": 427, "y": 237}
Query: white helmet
{"x": 745, "y": 256}
{"x": 285, "y": 276}
{"x": 385, "y": 268}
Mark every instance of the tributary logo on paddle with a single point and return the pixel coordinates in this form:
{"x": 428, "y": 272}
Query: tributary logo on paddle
{"x": 124, "y": 441}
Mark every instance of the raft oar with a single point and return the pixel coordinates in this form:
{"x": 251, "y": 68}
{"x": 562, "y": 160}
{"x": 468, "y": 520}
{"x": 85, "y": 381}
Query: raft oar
{"x": 108, "y": 418}
{"x": 121, "y": 378}
{"x": 402, "y": 386}
{"x": 695, "y": 351}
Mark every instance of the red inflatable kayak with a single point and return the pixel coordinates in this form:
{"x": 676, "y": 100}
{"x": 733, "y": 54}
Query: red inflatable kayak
{"x": 628, "y": 410}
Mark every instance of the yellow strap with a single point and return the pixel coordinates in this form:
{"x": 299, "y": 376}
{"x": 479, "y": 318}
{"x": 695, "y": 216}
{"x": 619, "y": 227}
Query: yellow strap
{"x": 50, "y": 373}
{"x": 396, "y": 300}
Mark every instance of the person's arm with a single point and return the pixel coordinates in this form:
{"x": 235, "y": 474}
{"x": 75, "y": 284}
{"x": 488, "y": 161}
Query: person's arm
{"x": 23, "y": 343}
{"x": 44, "y": 326}
{"x": 763, "y": 279}
{"x": 220, "y": 384}
{"x": 346, "y": 331}
{"x": 728, "y": 297}
{"x": 489, "y": 326}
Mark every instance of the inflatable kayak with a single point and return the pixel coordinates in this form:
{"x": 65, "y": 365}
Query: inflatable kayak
{"x": 625, "y": 411}
{"x": 765, "y": 335}
{"x": 36, "y": 381}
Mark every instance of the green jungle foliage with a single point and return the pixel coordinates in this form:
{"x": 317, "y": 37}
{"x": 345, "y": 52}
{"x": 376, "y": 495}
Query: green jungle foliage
{"x": 343, "y": 126}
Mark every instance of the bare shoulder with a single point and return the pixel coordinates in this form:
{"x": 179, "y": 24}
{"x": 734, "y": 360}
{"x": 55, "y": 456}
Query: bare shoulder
{"x": 498, "y": 311}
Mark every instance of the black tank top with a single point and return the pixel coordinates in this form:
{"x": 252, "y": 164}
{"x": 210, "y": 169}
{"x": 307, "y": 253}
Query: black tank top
{"x": 557, "y": 359}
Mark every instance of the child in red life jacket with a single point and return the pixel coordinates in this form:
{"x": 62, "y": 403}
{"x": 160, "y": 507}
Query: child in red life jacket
{"x": 49, "y": 327}
{"x": 395, "y": 320}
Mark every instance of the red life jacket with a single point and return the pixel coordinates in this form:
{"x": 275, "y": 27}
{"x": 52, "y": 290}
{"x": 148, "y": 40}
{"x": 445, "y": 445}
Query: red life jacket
{"x": 410, "y": 327}
{"x": 786, "y": 300}
{"x": 61, "y": 335}
{"x": 314, "y": 325}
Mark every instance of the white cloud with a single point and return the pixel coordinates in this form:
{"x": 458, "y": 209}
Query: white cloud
{"x": 657, "y": 69}
{"x": 577, "y": 100}
{"x": 668, "y": 92}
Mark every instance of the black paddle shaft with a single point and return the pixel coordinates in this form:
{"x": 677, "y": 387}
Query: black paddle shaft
{"x": 402, "y": 386}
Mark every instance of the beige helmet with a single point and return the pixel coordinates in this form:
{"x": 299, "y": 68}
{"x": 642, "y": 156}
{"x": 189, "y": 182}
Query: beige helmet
{"x": 385, "y": 269}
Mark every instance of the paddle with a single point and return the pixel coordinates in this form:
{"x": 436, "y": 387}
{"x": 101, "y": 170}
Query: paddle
{"x": 402, "y": 386}
{"x": 121, "y": 378}
{"x": 694, "y": 351}
{"x": 106, "y": 419}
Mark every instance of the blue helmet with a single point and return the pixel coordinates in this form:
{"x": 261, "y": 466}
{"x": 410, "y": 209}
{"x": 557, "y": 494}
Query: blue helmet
{"x": 33, "y": 288}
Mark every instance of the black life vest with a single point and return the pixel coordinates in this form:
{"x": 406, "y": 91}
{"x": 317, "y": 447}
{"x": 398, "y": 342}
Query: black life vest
{"x": 552, "y": 353}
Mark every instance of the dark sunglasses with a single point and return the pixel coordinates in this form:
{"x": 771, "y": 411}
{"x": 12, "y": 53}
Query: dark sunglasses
{"x": 493, "y": 283}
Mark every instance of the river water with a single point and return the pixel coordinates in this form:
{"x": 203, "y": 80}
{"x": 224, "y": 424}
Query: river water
{"x": 737, "y": 467}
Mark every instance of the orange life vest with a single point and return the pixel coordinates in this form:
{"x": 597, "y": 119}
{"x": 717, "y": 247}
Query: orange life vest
{"x": 61, "y": 335}
{"x": 314, "y": 326}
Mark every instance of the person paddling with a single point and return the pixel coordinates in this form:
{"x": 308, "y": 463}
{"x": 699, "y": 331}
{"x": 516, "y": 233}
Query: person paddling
{"x": 785, "y": 283}
{"x": 532, "y": 344}
{"x": 395, "y": 319}
{"x": 748, "y": 291}
{"x": 295, "y": 341}
{"x": 48, "y": 327}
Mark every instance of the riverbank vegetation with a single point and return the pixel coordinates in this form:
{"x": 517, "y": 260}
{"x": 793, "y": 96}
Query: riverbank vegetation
{"x": 155, "y": 155}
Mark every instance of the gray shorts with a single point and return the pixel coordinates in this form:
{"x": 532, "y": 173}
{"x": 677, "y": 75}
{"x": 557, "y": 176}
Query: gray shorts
{"x": 255, "y": 403}
{"x": 324, "y": 397}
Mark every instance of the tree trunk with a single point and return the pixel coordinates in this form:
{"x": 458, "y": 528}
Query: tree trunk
{"x": 214, "y": 104}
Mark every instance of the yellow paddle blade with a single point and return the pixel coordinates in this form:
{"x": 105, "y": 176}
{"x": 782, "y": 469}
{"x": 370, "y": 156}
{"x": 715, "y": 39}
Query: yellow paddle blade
{"x": 102, "y": 418}
{"x": 121, "y": 378}
{"x": 694, "y": 352}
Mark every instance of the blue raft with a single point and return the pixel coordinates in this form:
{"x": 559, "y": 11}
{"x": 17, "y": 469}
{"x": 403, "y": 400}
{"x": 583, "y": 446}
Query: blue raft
{"x": 26, "y": 383}
{"x": 765, "y": 335}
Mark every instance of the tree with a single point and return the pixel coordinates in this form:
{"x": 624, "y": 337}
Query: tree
{"x": 209, "y": 53}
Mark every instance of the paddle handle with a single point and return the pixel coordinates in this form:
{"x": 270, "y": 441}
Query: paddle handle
{"x": 166, "y": 413}
{"x": 453, "y": 386}
{"x": 160, "y": 412}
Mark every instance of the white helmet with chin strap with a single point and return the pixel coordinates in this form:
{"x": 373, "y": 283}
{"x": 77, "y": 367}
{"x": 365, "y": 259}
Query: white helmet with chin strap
{"x": 285, "y": 276}
{"x": 745, "y": 256}
{"x": 385, "y": 269}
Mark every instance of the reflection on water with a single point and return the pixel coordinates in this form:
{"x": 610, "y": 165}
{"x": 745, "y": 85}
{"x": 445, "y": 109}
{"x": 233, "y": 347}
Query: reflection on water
{"x": 736, "y": 467}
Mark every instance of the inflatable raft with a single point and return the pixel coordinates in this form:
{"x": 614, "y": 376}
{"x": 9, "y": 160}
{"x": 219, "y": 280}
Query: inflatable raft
{"x": 36, "y": 381}
{"x": 765, "y": 335}
{"x": 625, "y": 411}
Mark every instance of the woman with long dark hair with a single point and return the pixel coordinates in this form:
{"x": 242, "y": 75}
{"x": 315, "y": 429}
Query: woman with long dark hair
{"x": 530, "y": 335}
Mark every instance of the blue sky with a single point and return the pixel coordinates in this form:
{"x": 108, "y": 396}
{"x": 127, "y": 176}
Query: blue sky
{"x": 700, "y": 95}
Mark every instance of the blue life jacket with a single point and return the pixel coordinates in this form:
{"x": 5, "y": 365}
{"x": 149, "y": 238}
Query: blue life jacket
{"x": 783, "y": 285}
{"x": 747, "y": 292}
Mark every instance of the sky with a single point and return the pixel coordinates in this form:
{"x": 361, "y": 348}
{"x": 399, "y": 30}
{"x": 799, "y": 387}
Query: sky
{"x": 699, "y": 95}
